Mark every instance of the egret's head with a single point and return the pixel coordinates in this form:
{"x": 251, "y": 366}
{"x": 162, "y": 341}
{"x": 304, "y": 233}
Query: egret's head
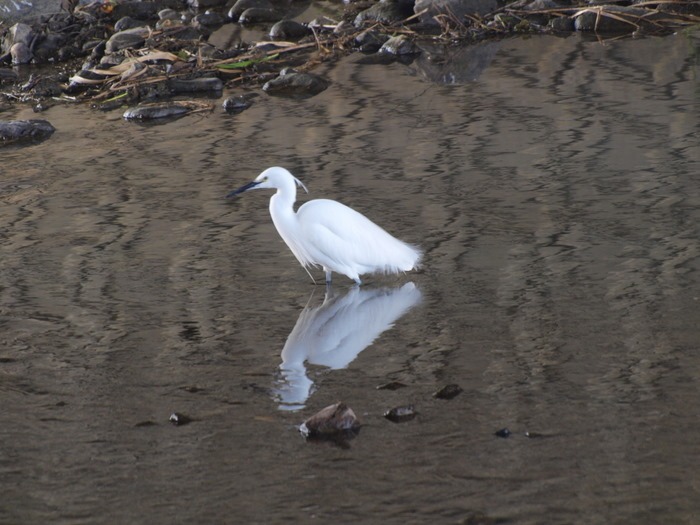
{"x": 277, "y": 178}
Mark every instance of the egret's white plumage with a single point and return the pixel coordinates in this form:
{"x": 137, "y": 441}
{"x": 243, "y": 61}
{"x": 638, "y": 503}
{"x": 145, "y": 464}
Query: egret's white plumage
{"x": 327, "y": 233}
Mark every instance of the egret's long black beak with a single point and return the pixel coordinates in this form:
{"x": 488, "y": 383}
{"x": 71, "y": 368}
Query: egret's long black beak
{"x": 242, "y": 189}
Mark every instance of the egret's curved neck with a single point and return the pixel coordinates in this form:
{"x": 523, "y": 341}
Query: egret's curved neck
{"x": 282, "y": 208}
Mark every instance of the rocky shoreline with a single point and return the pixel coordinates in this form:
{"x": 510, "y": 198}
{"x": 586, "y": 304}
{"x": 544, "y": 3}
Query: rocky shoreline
{"x": 117, "y": 54}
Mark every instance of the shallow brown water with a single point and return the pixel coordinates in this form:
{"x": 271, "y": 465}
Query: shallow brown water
{"x": 555, "y": 188}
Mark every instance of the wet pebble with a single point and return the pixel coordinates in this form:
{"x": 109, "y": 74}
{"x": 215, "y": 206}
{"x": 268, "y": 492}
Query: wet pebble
{"x": 503, "y": 433}
{"x": 448, "y": 392}
{"x": 288, "y": 30}
{"x": 238, "y": 103}
{"x": 178, "y": 419}
{"x": 257, "y": 15}
{"x": 401, "y": 414}
{"x": 208, "y": 20}
{"x": 129, "y": 38}
{"x": 127, "y": 22}
{"x": 332, "y": 420}
{"x": 370, "y": 41}
{"x": 156, "y": 111}
{"x": 241, "y": 5}
{"x": 168, "y": 14}
{"x": 399, "y": 45}
{"x": 25, "y": 130}
{"x": 293, "y": 84}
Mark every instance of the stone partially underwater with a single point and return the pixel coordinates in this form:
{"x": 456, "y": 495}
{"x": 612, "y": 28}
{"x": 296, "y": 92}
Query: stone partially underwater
{"x": 24, "y": 131}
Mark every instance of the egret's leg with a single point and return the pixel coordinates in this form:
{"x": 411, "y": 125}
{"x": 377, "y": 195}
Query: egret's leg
{"x": 358, "y": 282}
{"x": 328, "y": 276}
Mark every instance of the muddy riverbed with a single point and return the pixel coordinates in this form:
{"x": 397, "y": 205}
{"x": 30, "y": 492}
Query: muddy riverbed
{"x": 553, "y": 184}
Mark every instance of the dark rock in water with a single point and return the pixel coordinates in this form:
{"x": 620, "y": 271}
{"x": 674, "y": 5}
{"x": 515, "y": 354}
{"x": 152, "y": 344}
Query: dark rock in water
{"x": 330, "y": 421}
{"x": 370, "y": 41}
{"x": 448, "y": 392}
{"x": 393, "y": 385}
{"x": 241, "y": 5}
{"x": 208, "y": 20}
{"x": 238, "y": 103}
{"x": 24, "y": 130}
{"x": 257, "y": 15}
{"x": 288, "y": 30}
{"x": 20, "y": 53}
{"x": 562, "y": 24}
{"x": 197, "y": 85}
{"x": 401, "y": 414}
{"x": 503, "y": 433}
{"x": 399, "y": 45}
{"x": 385, "y": 11}
{"x": 179, "y": 419}
{"x": 127, "y": 39}
{"x": 457, "y": 9}
{"x": 293, "y": 84}
{"x": 156, "y": 111}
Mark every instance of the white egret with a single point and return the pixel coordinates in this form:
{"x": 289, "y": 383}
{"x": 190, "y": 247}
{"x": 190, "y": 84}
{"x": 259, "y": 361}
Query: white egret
{"x": 328, "y": 234}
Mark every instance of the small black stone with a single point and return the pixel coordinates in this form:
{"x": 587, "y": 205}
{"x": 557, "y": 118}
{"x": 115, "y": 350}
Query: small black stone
{"x": 400, "y": 414}
{"x": 448, "y": 392}
{"x": 179, "y": 419}
{"x": 503, "y": 433}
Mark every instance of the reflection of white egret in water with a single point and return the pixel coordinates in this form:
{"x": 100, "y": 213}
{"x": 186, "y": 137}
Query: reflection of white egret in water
{"x": 334, "y": 333}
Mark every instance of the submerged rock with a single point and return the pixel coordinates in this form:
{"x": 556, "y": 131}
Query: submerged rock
{"x": 179, "y": 419}
{"x": 503, "y": 433}
{"x": 448, "y": 392}
{"x": 400, "y": 414}
{"x": 24, "y": 130}
{"x": 156, "y": 111}
{"x": 399, "y": 45}
{"x": 293, "y": 84}
{"x": 238, "y": 103}
{"x": 331, "y": 421}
